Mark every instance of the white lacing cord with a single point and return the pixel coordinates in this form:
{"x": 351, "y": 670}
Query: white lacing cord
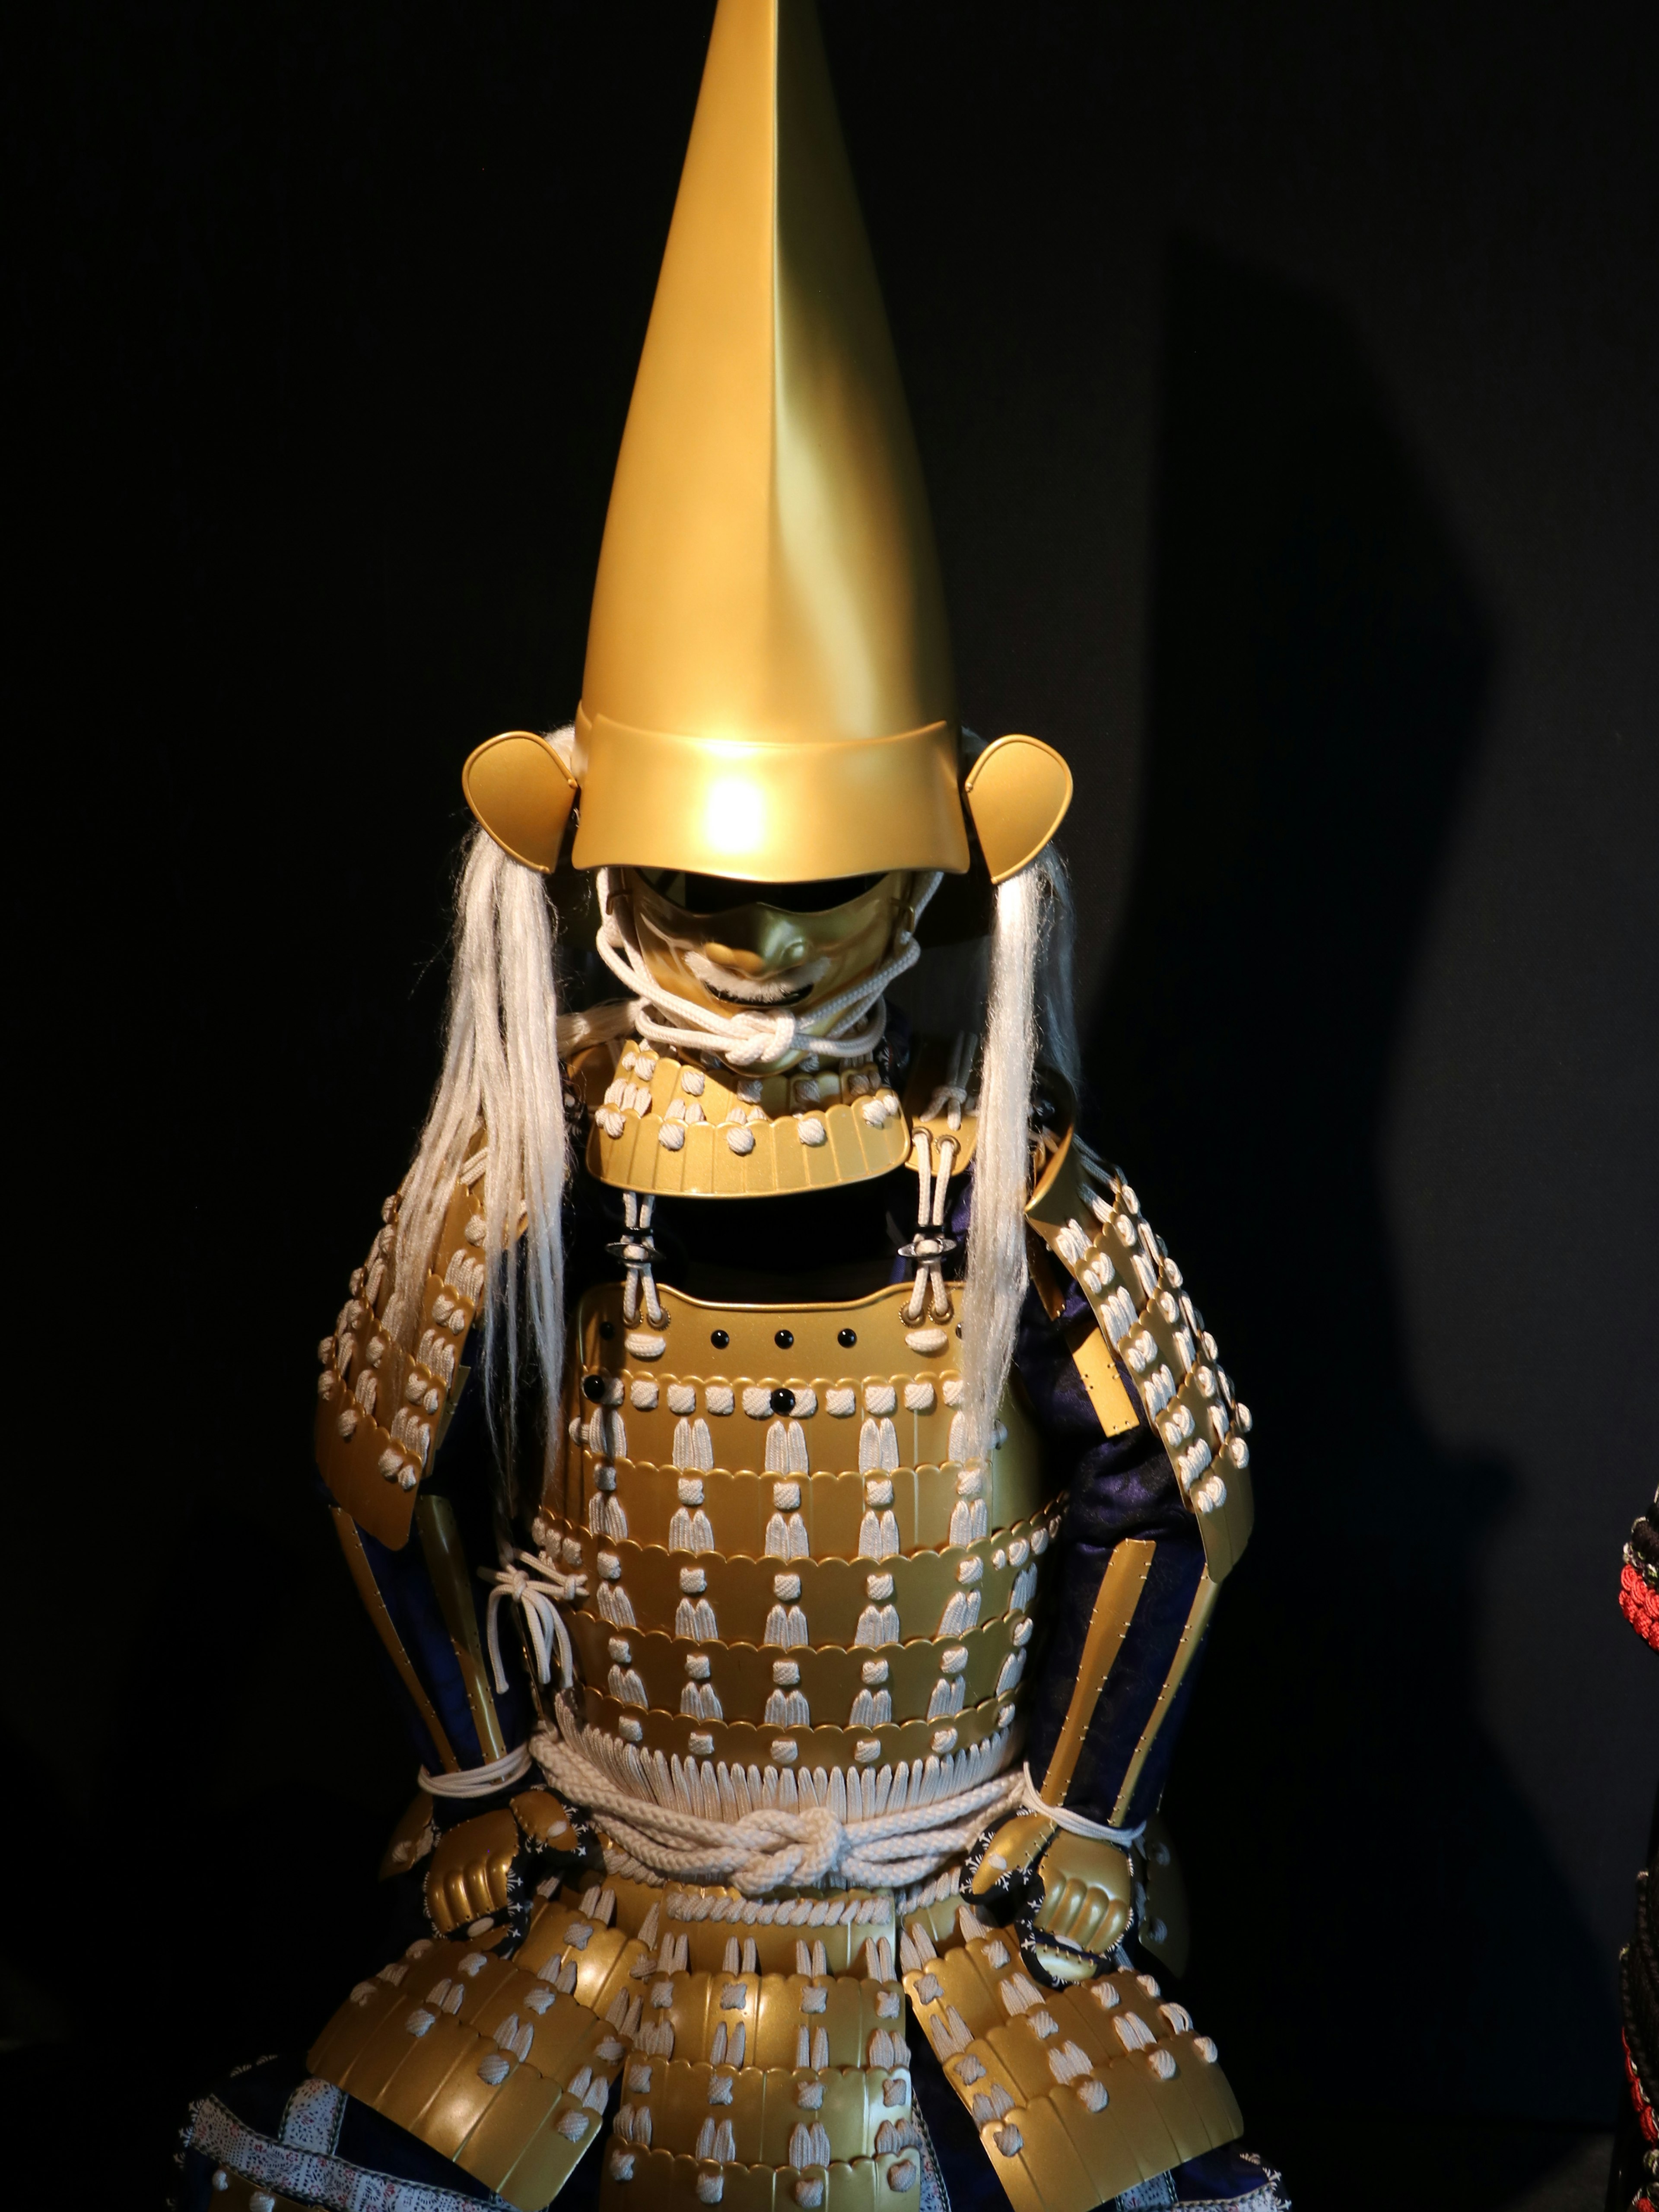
{"x": 1073, "y": 1823}
{"x": 539, "y": 1589}
{"x": 752, "y": 1040}
{"x": 767, "y": 1848}
{"x": 638, "y": 1253}
{"x": 479, "y": 1781}
{"x": 928, "y": 1247}
{"x": 951, "y": 1095}
{"x": 930, "y": 1244}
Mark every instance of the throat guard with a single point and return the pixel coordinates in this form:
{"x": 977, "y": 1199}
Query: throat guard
{"x": 661, "y": 1125}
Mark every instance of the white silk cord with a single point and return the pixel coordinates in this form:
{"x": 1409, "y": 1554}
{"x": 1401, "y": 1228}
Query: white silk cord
{"x": 638, "y": 1254}
{"x": 747, "y": 1041}
{"x": 538, "y": 1589}
{"x": 928, "y": 1247}
{"x": 768, "y": 1848}
{"x": 1073, "y": 1823}
{"x": 480, "y": 1781}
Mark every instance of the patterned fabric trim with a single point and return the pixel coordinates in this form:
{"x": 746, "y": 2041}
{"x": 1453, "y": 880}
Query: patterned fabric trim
{"x": 315, "y": 2176}
{"x": 311, "y": 2118}
{"x": 1165, "y": 2193}
{"x": 1265, "y": 2199}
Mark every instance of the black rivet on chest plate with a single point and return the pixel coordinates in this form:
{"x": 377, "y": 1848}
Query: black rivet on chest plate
{"x": 847, "y": 1338}
{"x": 784, "y": 1339}
{"x": 593, "y": 1387}
{"x": 783, "y": 1401}
{"x": 719, "y": 1339}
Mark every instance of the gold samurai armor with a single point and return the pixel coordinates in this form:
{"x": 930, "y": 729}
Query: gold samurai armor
{"x": 789, "y": 1475}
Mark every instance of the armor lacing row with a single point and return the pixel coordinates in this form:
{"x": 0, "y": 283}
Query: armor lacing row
{"x": 639, "y": 1254}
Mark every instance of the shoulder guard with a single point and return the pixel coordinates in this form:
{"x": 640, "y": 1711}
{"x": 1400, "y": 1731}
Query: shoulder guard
{"x": 382, "y": 1414}
{"x": 1089, "y": 1220}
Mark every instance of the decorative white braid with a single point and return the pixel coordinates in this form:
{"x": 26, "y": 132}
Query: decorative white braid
{"x": 765, "y": 1848}
{"x": 850, "y": 1026}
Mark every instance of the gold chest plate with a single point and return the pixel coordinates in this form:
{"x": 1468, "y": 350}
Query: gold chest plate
{"x": 789, "y": 1566}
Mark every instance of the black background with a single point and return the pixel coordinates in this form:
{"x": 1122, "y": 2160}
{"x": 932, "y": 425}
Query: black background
{"x": 1284, "y": 378}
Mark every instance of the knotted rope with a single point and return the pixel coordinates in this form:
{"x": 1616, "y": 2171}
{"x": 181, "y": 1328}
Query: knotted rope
{"x": 850, "y": 1026}
{"x": 768, "y": 1848}
{"x": 538, "y": 1589}
{"x": 638, "y": 1253}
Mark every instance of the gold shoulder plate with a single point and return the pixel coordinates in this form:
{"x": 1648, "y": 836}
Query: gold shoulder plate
{"x": 382, "y": 1414}
{"x": 1150, "y": 1334}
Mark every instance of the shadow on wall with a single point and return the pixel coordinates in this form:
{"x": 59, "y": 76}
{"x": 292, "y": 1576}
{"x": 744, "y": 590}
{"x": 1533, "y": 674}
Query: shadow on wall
{"x": 1379, "y": 1921}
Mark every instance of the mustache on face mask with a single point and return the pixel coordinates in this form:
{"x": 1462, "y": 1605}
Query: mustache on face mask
{"x": 787, "y": 988}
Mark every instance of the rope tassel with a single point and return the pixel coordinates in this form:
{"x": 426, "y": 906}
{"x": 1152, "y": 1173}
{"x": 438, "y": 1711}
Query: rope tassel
{"x": 538, "y": 1589}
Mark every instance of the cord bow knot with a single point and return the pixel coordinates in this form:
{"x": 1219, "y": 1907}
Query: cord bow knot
{"x": 538, "y": 1589}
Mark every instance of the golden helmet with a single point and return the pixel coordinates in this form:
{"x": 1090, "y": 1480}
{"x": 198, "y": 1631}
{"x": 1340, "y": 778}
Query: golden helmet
{"x": 768, "y": 691}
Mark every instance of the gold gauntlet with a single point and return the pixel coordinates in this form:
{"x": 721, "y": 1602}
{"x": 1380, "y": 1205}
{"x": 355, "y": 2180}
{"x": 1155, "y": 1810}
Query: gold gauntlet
{"x": 1070, "y": 1899}
{"x": 483, "y": 1869}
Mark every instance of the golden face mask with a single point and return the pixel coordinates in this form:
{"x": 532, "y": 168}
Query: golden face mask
{"x": 737, "y": 947}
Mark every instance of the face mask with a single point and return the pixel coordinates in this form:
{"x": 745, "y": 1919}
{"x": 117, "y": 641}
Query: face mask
{"x": 759, "y": 983}
{"x": 737, "y": 947}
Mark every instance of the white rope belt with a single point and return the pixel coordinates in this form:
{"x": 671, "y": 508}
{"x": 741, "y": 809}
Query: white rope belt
{"x": 767, "y": 1848}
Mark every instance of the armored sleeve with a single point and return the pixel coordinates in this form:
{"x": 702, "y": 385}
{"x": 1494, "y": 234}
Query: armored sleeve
{"x": 416, "y": 1527}
{"x": 1142, "y": 1424}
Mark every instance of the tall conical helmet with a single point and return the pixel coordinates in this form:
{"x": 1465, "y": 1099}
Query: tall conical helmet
{"x": 769, "y": 689}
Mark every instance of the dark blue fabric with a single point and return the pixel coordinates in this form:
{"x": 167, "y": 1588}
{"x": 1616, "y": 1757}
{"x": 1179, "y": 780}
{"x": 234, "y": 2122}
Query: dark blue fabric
{"x": 1136, "y": 1682}
{"x": 969, "y": 2179}
{"x": 1219, "y": 2175}
{"x": 405, "y": 1586}
{"x": 1149, "y": 1788}
{"x": 1117, "y": 1487}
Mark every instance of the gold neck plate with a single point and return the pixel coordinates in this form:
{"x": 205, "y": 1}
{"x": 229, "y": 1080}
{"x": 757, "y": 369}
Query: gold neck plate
{"x": 661, "y": 1125}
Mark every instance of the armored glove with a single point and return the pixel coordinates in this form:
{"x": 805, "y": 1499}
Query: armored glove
{"x": 486, "y": 1868}
{"x": 1070, "y": 1899}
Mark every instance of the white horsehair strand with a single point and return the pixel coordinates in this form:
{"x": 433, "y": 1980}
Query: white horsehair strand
{"x": 500, "y": 1068}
